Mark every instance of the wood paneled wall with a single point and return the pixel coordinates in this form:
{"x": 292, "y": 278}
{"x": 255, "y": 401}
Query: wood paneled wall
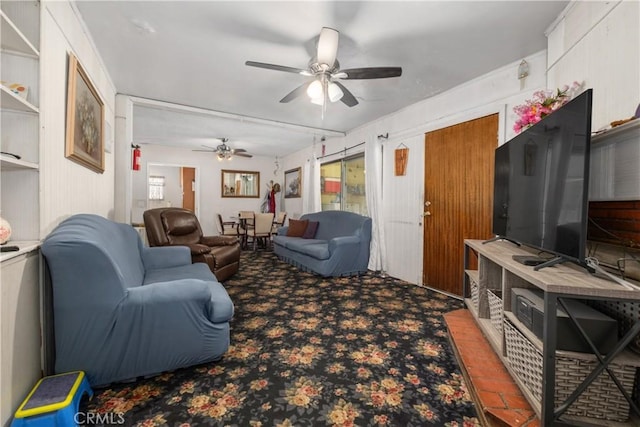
{"x": 615, "y": 222}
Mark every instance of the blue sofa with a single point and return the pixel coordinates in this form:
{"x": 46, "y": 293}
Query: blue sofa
{"x": 123, "y": 310}
{"x": 340, "y": 246}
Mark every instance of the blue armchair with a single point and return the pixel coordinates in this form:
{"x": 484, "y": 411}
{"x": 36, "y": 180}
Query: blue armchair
{"x": 123, "y": 310}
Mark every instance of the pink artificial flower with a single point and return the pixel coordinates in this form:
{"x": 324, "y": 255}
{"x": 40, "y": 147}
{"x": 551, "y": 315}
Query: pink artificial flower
{"x": 543, "y": 103}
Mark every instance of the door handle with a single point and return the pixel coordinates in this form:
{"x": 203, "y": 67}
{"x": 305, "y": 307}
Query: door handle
{"x": 426, "y": 213}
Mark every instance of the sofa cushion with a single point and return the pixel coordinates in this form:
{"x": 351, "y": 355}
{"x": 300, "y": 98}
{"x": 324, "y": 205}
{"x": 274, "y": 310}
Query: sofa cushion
{"x": 310, "y": 232}
{"x": 298, "y": 242}
{"x": 196, "y": 270}
{"x": 318, "y": 249}
{"x": 297, "y": 227}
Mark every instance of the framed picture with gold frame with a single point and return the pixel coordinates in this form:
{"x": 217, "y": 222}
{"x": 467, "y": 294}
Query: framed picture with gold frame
{"x": 85, "y": 119}
{"x": 240, "y": 183}
{"x": 293, "y": 183}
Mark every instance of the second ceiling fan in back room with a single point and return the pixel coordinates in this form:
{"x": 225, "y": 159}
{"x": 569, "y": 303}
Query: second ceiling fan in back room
{"x": 325, "y": 70}
{"x": 224, "y": 152}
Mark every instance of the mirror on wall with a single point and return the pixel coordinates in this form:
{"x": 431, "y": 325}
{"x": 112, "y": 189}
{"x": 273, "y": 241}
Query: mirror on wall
{"x": 240, "y": 183}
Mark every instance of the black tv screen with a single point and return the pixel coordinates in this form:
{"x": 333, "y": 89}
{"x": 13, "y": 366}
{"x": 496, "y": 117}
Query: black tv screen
{"x": 541, "y": 182}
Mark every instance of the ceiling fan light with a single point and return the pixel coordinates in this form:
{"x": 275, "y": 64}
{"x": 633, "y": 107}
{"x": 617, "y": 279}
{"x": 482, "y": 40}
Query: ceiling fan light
{"x": 334, "y": 91}
{"x": 318, "y": 101}
{"x": 315, "y": 89}
{"x": 220, "y": 157}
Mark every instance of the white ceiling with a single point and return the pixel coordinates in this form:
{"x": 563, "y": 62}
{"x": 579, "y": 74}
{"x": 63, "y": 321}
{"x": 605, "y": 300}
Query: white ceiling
{"x": 194, "y": 53}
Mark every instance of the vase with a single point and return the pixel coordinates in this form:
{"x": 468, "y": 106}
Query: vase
{"x": 5, "y": 231}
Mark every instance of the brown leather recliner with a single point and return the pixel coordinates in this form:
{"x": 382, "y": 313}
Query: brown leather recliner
{"x": 180, "y": 227}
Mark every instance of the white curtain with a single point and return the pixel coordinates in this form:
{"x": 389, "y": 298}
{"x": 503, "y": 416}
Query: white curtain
{"x": 311, "y": 186}
{"x": 373, "y": 180}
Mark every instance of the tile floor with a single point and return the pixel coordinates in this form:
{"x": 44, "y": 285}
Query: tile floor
{"x": 495, "y": 392}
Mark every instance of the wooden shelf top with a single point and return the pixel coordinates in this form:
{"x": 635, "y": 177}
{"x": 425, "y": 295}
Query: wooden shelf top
{"x": 566, "y": 279}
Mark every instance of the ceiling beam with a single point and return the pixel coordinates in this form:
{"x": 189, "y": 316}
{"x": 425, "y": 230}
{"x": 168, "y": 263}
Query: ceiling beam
{"x": 162, "y": 105}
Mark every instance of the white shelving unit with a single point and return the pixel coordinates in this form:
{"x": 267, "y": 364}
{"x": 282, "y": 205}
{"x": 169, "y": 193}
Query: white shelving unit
{"x": 19, "y": 204}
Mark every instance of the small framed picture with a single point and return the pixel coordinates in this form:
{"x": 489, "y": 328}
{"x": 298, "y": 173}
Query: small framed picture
{"x": 85, "y": 119}
{"x": 293, "y": 183}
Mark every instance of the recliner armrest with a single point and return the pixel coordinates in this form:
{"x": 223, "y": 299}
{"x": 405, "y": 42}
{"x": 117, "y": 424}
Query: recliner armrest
{"x": 219, "y": 240}
{"x": 198, "y": 248}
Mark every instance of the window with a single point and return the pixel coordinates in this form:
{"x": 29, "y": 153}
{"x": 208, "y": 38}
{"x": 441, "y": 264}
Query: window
{"x": 342, "y": 185}
{"x": 156, "y": 187}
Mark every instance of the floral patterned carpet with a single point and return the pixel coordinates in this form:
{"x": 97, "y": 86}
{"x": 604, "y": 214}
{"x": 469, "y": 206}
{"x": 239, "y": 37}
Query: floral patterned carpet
{"x": 309, "y": 351}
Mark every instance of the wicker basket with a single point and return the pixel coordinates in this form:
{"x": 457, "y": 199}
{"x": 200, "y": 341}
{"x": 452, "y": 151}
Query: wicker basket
{"x": 474, "y": 293}
{"x": 601, "y": 399}
{"x": 495, "y": 308}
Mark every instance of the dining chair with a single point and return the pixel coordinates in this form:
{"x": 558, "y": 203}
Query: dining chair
{"x": 278, "y": 222}
{"x": 263, "y": 223}
{"x": 246, "y": 219}
{"x": 226, "y": 228}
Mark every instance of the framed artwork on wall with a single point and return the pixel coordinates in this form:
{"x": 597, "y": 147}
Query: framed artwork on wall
{"x": 293, "y": 183}
{"x": 85, "y": 119}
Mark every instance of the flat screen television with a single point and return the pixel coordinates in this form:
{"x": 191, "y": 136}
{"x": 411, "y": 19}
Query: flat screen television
{"x": 541, "y": 184}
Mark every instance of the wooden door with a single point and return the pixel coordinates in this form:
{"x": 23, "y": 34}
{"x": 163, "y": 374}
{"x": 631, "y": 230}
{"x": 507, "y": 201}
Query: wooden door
{"x": 188, "y": 188}
{"x": 458, "y": 189}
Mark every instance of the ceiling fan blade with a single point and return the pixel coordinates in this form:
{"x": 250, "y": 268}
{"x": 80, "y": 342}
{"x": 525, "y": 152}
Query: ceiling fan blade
{"x": 206, "y": 149}
{"x": 370, "y": 73}
{"x": 328, "y": 46}
{"x": 347, "y": 96}
{"x": 243, "y": 155}
{"x": 300, "y": 90}
{"x": 278, "y": 68}
{"x": 239, "y": 150}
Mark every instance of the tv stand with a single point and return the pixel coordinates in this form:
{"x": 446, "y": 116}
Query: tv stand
{"x": 531, "y": 260}
{"x": 500, "y": 238}
{"x": 551, "y": 262}
{"x": 537, "y": 262}
{"x": 563, "y": 387}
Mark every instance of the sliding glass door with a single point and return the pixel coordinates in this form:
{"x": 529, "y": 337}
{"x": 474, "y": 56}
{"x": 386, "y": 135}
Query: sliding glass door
{"x": 342, "y": 185}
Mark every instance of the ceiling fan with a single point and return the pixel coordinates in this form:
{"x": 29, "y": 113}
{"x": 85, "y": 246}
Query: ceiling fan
{"x": 325, "y": 70}
{"x": 223, "y": 151}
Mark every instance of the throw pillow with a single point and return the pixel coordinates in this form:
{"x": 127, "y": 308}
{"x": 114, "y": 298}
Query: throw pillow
{"x": 297, "y": 227}
{"x": 311, "y": 230}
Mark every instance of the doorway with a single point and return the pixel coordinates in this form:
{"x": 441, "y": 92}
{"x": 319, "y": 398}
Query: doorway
{"x": 171, "y": 186}
{"x": 188, "y": 180}
{"x": 458, "y": 189}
